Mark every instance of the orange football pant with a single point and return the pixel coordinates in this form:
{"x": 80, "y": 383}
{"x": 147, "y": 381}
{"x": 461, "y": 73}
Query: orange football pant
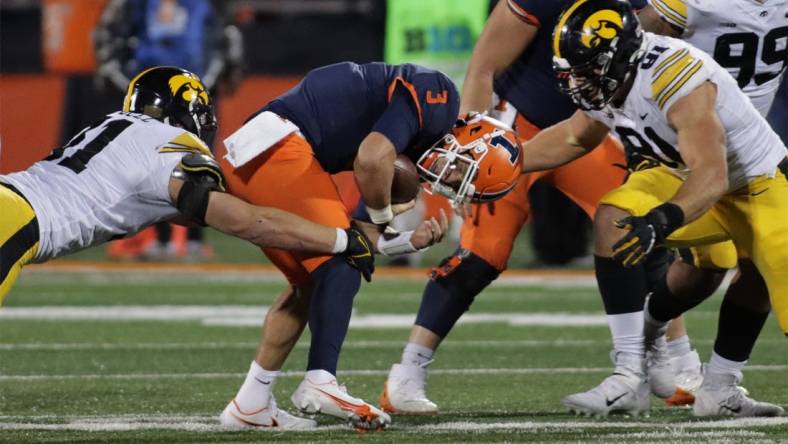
{"x": 491, "y": 230}
{"x": 288, "y": 176}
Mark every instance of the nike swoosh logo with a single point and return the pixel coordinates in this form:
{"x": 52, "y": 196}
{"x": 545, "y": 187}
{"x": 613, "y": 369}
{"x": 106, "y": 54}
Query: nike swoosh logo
{"x": 610, "y": 402}
{"x": 643, "y": 116}
{"x": 759, "y": 192}
{"x": 727, "y": 407}
{"x": 261, "y": 381}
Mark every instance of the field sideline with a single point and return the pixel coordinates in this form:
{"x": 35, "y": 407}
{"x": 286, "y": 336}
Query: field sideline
{"x": 94, "y": 353}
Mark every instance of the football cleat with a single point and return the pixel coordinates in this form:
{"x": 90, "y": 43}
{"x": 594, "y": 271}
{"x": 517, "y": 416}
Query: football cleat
{"x": 689, "y": 376}
{"x": 269, "y": 416}
{"x": 659, "y": 371}
{"x": 404, "y": 391}
{"x": 625, "y": 391}
{"x": 332, "y": 399}
{"x": 720, "y": 395}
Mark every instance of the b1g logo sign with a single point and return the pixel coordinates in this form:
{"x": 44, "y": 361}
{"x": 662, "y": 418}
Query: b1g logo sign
{"x": 439, "y": 39}
{"x": 438, "y": 34}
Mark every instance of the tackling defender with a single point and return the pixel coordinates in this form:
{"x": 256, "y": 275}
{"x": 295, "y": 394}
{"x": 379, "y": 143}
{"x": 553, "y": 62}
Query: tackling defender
{"x": 142, "y": 165}
{"x": 717, "y": 28}
{"x": 722, "y": 176}
{"x": 346, "y": 117}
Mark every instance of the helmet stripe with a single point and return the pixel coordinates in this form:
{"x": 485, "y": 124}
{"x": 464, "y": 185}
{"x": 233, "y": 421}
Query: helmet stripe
{"x": 561, "y": 22}
{"x": 130, "y": 90}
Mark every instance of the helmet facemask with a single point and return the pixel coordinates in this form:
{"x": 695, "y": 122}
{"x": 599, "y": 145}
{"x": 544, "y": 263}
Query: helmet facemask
{"x": 594, "y": 84}
{"x": 450, "y": 168}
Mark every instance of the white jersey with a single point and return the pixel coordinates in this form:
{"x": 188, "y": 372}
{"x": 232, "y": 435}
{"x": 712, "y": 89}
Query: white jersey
{"x": 669, "y": 70}
{"x": 749, "y": 38}
{"x": 109, "y": 181}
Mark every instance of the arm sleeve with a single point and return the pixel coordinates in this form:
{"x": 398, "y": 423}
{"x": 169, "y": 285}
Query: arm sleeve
{"x": 675, "y": 76}
{"x": 401, "y": 120}
{"x": 672, "y": 11}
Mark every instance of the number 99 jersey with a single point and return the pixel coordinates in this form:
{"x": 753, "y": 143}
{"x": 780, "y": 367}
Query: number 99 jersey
{"x": 746, "y": 37}
{"x": 110, "y": 180}
{"x": 669, "y": 70}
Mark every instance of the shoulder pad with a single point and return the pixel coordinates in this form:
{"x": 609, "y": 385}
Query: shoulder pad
{"x": 185, "y": 142}
{"x": 200, "y": 169}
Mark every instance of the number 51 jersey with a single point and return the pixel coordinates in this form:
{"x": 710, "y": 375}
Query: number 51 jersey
{"x": 749, "y": 38}
{"x": 110, "y": 180}
{"x": 669, "y": 70}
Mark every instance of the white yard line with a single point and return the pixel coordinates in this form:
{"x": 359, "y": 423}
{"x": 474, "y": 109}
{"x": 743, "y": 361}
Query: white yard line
{"x": 343, "y": 373}
{"x": 244, "y": 345}
{"x": 303, "y": 344}
{"x": 251, "y": 316}
{"x": 687, "y": 429}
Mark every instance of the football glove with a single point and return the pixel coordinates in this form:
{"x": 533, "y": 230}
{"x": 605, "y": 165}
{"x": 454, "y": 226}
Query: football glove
{"x": 646, "y": 232}
{"x": 359, "y": 252}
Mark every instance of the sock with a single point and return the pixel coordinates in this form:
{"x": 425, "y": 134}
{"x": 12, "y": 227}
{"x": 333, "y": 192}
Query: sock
{"x": 255, "y": 392}
{"x": 415, "y": 354}
{"x": 679, "y": 347}
{"x": 320, "y": 376}
{"x": 335, "y": 284}
{"x": 737, "y": 330}
{"x": 721, "y": 366}
{"x": 623, "y": 289}
{"x": 627, "y": 331}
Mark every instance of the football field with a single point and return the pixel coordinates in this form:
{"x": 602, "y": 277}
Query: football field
{"x": 117, "y": 354}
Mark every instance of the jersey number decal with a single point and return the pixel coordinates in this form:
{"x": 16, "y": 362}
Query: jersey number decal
{"x": 78, "y": 161}
{"x": 739, "y": 50}
{"x": 504, "y": 143}
{"x": 632, "y": 140}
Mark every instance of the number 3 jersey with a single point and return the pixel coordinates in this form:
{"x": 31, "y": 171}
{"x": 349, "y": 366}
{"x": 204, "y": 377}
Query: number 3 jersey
{"x": 749, "y": 38}
{"x": 110, "y": 180}
{"x": 670, "y": 70}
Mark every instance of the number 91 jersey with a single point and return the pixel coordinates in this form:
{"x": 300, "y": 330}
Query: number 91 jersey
{"x": 110, "y": 180}
{"x": 669, "y": 70}
{"x": 746, "y": 37}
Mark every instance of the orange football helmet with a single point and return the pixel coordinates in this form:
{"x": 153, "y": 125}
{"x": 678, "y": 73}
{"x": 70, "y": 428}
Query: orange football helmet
{"x": 479, "y": 161}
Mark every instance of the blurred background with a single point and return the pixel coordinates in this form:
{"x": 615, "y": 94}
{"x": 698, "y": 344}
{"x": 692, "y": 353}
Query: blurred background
{"x": 66, "y": 63}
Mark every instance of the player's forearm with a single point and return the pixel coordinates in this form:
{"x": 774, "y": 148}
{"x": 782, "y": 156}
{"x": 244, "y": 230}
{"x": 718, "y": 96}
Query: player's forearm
{"x": 373, "y": 170}
{"x": 274, "y": 228}
{"x": 651, "y": 21}
{"x": 551, "y": 148}
{"x": 702, "y": 189}
{"x": 477, "y": 90}
{"x": 267, "y": 227}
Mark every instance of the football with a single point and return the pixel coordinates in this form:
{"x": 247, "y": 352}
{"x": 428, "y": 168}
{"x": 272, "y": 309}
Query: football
{"x": 405, "y": 186}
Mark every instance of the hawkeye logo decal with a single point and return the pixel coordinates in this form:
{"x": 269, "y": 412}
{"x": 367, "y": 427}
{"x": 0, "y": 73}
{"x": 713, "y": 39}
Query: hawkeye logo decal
{"x": 605, "y": 24}
{"x": 188, "y": 88}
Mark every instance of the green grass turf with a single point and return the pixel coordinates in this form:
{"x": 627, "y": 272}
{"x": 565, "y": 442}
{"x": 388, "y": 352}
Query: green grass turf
{"x": 93, "y": 374}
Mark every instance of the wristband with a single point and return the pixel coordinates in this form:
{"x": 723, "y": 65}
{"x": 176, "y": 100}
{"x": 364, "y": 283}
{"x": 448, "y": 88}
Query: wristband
{"x": 340, "y": 244}
{"x": 390, "y": 244}
{"x": 672, "y": 217}
{"x": 381, "y": 216}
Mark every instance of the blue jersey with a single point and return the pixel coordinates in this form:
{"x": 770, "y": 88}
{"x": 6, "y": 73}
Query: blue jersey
{"x": 529, "y": 83}
{"x": 337, "y": 106}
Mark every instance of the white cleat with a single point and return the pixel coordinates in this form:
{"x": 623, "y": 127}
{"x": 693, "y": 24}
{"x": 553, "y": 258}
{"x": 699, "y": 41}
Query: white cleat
{"x": 332, "y": 399}
{"x": 720, "y": 395}
{"x": 269, "y": 416}
{"x": 625, "y": 391}
{"x": 689, "y": 376}
{"x": 404, "y": 391}
{"x": 659, "y": 371}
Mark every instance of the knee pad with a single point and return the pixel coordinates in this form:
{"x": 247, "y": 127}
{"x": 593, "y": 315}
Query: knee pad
{"x": 451, "y": 290}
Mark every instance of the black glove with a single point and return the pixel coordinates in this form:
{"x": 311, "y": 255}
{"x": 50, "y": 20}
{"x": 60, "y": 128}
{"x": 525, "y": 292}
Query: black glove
{"x": 359, "y": 252}
{"x": 646, "y": 232}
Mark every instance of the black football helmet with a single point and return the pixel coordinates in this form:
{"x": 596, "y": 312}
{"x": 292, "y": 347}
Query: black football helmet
{"x": 596, "y": 49}
{"x": 176, "y": 97}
